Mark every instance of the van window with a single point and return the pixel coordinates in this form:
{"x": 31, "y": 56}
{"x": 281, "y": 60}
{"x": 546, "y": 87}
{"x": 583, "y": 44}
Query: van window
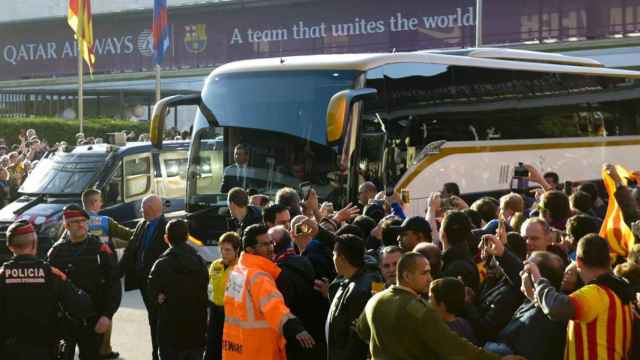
{"x": 173, "y": 166}
{"x": 112, "y": 192}
{"x": 138, "y": 176}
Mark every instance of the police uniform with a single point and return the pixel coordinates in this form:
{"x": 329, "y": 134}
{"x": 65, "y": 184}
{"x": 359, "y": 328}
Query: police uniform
{"x": 92, "y": 266}
{"x": 31, "y": 295}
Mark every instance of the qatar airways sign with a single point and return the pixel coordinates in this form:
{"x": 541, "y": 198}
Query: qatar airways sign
{"x": 212, "y": 35}
{"x": 23, "y": 52}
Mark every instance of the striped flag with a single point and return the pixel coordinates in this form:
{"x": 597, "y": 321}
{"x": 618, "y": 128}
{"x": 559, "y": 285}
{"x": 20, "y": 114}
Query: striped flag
{"x": 79, "y": 19}
{"x": 160, "y": 31}
{"x": 614, "y": 229}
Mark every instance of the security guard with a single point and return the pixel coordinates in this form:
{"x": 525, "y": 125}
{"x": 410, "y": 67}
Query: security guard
{"x": 91, "y": 265}
{"x": 257, "y": 322}
{"x": 104, "y": 227}
{"x": 31, "y": 293}
{"x": 109, "y": 232}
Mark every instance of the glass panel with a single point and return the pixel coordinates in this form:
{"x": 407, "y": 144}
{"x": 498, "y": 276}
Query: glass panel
{"x": 175, "y": 167}
{"x": 112, "y": 191}
{"x": 138, "y": 176}
{"x": 205, "y": 167}
{"x": 422, "y": 103}
{"x": 64, "y": 173}
{"x": 276, "y": 160}
{"x": 293, "y": 102}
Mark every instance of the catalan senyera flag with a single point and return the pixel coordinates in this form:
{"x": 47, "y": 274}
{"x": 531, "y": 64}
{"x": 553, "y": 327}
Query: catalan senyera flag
{"x": 81, "y": 23}
{"x": 160, "y": 32}
{"x": 614, "y": 229}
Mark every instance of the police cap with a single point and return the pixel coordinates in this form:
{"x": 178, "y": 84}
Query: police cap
{"x": 74, "y": 211}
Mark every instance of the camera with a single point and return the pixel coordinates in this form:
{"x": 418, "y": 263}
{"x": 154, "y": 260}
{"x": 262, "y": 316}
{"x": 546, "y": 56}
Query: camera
{"x": 446, "y": 203}
{"x": 520, "y": 180}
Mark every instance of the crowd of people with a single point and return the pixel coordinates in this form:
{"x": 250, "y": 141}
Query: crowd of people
{"x": 19, "y": 159}
{"x": 525, "y": 276}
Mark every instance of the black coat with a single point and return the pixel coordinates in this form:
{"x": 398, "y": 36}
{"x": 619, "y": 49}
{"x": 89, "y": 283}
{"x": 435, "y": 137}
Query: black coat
{"x": 135, "y": 277}
{"x": 348, "y": 299}
{"x": 531, "y": 334}
{"x": 254, "y": 216}
{"x": 92, "y": 266}
{"x": 457, "y": 261}
{"x": 295, "y": 282}
{"x": 320, "y": 253}
{"x": 31, "y": 293}
{"x": 182, "y": 277}
{"x": 497, "y": 303}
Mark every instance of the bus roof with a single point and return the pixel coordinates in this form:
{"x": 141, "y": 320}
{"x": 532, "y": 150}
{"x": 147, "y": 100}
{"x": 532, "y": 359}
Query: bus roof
{"x": 506, "y": 59}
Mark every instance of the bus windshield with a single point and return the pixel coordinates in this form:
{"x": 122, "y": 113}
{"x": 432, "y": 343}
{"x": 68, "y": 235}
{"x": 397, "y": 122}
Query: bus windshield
{"x": 277, "y": 120}
{"x": 291, "y": 102}
{"x": 64, "y": 173}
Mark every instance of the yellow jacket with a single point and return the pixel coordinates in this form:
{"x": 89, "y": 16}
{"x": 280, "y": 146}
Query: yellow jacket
{"x": 218, "y": 275}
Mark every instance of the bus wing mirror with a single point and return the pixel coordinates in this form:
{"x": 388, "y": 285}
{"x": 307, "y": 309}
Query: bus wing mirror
{"x": 156, "y": 127}
{"x": 339, "y": 110}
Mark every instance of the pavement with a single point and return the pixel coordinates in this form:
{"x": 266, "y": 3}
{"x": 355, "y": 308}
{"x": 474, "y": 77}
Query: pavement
{"x": 130, "y": 336}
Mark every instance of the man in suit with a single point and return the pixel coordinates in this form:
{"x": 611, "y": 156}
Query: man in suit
{"x": 144, "y": 248}
{"x": 235, "y": 175}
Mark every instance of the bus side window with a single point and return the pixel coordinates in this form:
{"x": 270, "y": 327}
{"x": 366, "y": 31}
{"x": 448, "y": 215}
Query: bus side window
{"x": 137, "y": 172}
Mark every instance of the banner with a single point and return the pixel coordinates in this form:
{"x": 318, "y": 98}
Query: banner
{"x": 215, "y": 34}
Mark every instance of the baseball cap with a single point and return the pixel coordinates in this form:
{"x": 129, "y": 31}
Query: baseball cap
{"x": 417, "y": 224}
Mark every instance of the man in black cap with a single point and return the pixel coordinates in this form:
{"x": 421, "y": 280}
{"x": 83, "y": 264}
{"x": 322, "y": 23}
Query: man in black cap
{"x": 30, "y": 292}
{"x": 91, "y": 265}
{"x": 413, "y": 231}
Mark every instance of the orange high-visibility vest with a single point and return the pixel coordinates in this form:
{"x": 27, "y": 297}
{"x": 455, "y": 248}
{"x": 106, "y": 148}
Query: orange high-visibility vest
{"x": 254, "y": 311}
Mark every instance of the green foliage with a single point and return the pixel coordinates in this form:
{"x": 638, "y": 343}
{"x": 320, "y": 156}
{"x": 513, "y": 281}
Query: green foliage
{"x": 55, "y": 129}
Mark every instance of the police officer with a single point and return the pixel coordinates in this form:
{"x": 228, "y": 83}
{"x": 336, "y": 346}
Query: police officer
{"x": 31, "y": 292}
{"x": 91, "y": 265}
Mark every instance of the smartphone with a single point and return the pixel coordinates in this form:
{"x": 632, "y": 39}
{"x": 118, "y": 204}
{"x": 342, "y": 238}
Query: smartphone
{"x": 446, "y": 203}
{"x": 567, "y": 188}
{"x": 405, "y": 196}
{"x": 528, "y": 281}
{"x": 305, "y": 189}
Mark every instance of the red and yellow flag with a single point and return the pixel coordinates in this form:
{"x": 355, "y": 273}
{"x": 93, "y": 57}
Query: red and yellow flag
{"x": 614, "y": 229}
{"x": 79, "y": 13}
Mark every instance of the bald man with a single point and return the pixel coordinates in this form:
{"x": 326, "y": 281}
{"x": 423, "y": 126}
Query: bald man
{"x": 366, "y": 192}
{"x": 145, "y": 247}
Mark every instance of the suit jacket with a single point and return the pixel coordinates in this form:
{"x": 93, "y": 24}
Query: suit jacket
{"x": 233, "y": 177}
{"x": 135, "y": 278}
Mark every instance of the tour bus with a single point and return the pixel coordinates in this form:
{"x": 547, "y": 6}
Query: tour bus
{"x": 125, "y": 174}
{"x": 409, "y": 120}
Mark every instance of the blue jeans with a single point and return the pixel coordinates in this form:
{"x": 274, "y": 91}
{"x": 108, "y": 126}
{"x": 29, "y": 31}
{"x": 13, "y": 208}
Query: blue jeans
{"x": 173, "y": 354}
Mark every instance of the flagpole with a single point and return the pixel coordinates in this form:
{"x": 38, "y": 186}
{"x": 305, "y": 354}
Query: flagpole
{"x": 79, "y": 35}
{"x": 157, "y": 82}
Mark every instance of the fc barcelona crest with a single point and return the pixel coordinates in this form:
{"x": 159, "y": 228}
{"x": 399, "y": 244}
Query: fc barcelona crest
{"x": 195, "y": 38}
